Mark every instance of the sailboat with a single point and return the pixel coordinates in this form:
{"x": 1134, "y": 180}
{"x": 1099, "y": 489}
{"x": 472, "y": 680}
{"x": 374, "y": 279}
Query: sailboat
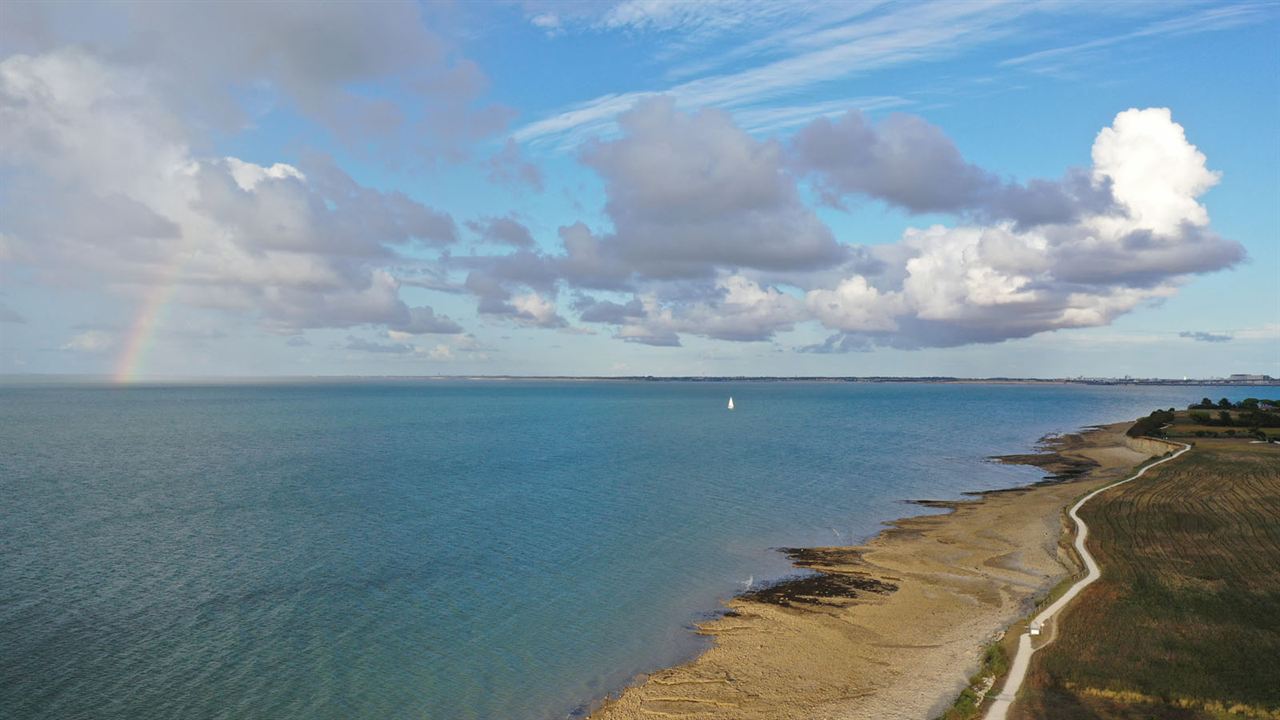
{"x": 730, "y": 402}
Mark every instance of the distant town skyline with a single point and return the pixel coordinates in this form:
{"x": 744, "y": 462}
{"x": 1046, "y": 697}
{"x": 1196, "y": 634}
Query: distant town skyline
{"x": 635, "y": 188}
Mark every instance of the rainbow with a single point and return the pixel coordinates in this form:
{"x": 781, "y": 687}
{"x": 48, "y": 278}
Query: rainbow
{"x": 143, "y": 328}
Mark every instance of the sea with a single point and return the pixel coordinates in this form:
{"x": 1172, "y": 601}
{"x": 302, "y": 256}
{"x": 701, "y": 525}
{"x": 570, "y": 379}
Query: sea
{"x": 448, "y": 549}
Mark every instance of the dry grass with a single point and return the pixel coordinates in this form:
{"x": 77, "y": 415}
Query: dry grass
{"x": 1185, "y": 622}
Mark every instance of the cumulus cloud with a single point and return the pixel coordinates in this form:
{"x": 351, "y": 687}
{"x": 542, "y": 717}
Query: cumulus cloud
{"x": 690, "y": 192}
{"x": 906, "y": 161}
{"x": 736, "y": 309}
{"x": 987, "y": 283}
{"x": 105, "y": 188}
{"x": 534, "y": 309}
{"x": 502, "y": 231}
{"x": 710, "y": 237}
{"x": 606, "y": 311}
{"x": 224, "y": 62}
{"x": 424, "y": 321}
{"x": 1201, "y": 336}
{"x": 1155, "y": 173}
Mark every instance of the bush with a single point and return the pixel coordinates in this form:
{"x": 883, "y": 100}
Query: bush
{"x": 1151, "y": 424}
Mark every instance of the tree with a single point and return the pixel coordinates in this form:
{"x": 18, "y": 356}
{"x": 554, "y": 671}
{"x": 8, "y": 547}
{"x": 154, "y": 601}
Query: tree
{"x": 1224, "y": 403}
{"x": 1224, "y": 417}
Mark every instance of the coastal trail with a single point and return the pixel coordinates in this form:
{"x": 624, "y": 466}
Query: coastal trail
{"x": 1022, "y": 659}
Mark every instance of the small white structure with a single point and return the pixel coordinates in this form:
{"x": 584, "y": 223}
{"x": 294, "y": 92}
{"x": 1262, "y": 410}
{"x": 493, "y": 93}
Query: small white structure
{"x": 730, "y": 402}
{"x": 1034, "y": 629}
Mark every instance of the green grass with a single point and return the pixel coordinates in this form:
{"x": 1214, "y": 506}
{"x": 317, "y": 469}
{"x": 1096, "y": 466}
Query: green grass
{"x": 995, "y": 663}
{"x": 1185, "y": 621}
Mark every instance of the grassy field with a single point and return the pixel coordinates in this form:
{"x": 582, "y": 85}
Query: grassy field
{"x": 1185, "y": 621}
{"x": 1187, "y": 430}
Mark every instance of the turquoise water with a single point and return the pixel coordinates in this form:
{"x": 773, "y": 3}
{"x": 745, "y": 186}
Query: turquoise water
{"x": 445, "y": 549}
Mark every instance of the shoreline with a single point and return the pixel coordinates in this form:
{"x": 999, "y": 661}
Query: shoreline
{"x": 892, "y": 628}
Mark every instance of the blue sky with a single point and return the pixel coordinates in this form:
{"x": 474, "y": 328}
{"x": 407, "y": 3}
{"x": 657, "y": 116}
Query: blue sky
{"x": 972, "y": 189}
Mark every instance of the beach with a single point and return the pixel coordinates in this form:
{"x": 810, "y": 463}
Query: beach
{"x": 896, "y": 627}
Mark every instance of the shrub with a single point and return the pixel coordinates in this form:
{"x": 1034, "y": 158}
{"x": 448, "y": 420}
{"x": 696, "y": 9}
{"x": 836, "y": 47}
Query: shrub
{"x": 1151, "y": 424}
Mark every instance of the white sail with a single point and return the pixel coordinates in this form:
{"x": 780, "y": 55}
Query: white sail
{"x": 730, "y": 402}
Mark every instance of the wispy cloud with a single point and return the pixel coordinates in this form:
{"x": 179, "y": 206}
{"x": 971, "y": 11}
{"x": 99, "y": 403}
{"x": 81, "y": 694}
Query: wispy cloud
{"x": 897, "y": 36}
{"x": 762, "y": 120}
{"x": 769, "y": 63}
{"x": 1215, "y": 18}
{"x": 1201, "y": 336}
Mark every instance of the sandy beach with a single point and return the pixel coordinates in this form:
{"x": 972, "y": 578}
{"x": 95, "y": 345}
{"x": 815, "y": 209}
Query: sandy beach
{"x": 893, "y": 628}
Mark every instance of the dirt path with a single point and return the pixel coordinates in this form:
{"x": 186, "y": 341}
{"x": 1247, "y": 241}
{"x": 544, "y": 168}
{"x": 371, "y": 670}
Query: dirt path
{"x": 1022, "y": 660}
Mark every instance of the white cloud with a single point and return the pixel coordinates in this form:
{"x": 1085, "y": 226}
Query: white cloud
{"x": 107, "y": 191}
{"x": 224, "y": 63}
{"x": 90, "y": 341}
{"x": 984, "y": 283}
{"x": 855, "y": 306}
{"x": 831, "y": 42}
{"x": 1207, "y": 20}
{"x": 705, "y": 217}
{"x": 1155, "y": 173}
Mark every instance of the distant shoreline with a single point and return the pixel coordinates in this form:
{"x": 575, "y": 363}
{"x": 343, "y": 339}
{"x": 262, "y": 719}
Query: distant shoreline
{"x": 34, "y": 378}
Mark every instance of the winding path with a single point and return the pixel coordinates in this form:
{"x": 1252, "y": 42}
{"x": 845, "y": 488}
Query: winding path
{"x": 1022, "y": 659}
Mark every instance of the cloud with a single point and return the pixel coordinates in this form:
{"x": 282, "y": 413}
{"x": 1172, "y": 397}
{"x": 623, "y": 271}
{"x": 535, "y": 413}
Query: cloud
{"x": 691, "y": 192}
{"x": 509, "y": 167}
{"x": 828, "y": 42}
{"x": 589, "y": 262}
{"x": 710, "y": 237}
{"x": 105, "y": 190}
{"x": 534, "y": 309}
{"x": 988, "y": 283}
{"x": 735, "y": 309}
{"x": 369, "y": 346}
{"x": 606, "y": 311}
{"x": 502, "y": 231}
{"x": 642, "y": 336}
{"x": 839, "y": 343}
{"x": 1200, "y": 336}
{"x": 90, "y": 341}
{"x": 1210, "y": 19}
{"x": 1155, "y": 173}
{"x": 548, "y": 22}
{"x": 423, "y": 320}
{"x": 225, "y": 63}
{"x": 907, "y": 162}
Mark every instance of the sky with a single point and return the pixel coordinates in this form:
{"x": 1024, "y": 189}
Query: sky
{"x": 643, "y": 187}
